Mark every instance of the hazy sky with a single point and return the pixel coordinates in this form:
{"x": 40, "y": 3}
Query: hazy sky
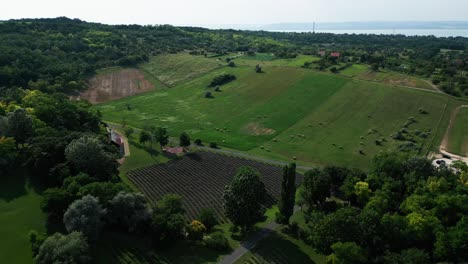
{"x": 197, "y": 12}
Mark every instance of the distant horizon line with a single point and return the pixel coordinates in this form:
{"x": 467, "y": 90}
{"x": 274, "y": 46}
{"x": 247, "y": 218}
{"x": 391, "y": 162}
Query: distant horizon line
{"x": 256, "y": 24}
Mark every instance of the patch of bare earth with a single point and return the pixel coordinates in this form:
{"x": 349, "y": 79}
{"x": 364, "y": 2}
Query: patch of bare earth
{"x": 403, "y": 82}
{"x": 115, "y": 85}
{"x": 257, "y": 129}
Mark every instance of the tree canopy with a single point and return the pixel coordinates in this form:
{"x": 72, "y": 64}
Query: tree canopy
{"x": 244, "y": 198}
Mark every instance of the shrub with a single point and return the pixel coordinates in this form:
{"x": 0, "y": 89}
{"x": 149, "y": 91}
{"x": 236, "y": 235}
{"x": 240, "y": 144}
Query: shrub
{"x": 217, "y": 241}
{"x": 231, "y": 64}
{"x": 196, "y": 230}
{"x": 208, "y": 95}
{"x": 222, "y": 79}
{"x": 258, "y": 68}
{"x": 208, "y": 218}
{"x": 398, "y": 136}
{"x": 36, "y": 241}
{"x": 217, "y": 88}
{"x": 198, "y": 142}
{"x": 213, "y": 145}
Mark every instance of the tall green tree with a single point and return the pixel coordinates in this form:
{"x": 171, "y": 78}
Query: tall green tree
{"x": 129, "y": 210}
{"x": 168, "y": 221}
{"x": 316, "y": 187}
{"x": 144, "y": 137}
{"x": 87, "y": 154}
{"x": 20, "y": 125}
{"x": 288, "y": 194}
{"x": 342, "y": 225}
{"x": 244, "y": 198}
{"x": 160, "y": 135}
{"x": 71, "y": 248}
{"x": 184, "y": 140}
{"x": 85, "y": 215}
{"x": 8, "y": 153}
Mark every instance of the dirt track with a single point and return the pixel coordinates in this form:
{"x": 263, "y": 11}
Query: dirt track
{"x": 445, "y": 140}
{"x": 115, "y": 85}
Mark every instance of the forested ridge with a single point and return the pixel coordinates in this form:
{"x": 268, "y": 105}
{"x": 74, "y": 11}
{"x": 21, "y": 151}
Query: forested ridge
{"x": 58, "y": 54}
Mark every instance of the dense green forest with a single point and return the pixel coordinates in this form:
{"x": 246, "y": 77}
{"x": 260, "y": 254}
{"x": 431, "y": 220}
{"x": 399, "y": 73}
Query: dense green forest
{"x": 58, "y": 54}
{"x": 401, "y": 211}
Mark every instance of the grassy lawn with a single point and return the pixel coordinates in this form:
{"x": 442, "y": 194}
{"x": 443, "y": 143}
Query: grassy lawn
{"x": 458, "y": 134}
{"x": 282, "y": 248}
{"x": 123, "y": 248}
{"x": 19, "y": 213}
{"x": 175, "y": 68}
{"x": 354, "y": 70}
{"x": 285, "y": 112}
{"x": 269, "y": 60}
{"x": 395, "y": 78}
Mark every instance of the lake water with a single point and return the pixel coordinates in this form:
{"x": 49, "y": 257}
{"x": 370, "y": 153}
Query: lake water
{"x": 407, "y": 32}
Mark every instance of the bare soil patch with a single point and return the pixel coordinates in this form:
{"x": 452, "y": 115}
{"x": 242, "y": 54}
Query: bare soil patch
{"x": 115, "y": 85}
{"x": 257, "y": 129}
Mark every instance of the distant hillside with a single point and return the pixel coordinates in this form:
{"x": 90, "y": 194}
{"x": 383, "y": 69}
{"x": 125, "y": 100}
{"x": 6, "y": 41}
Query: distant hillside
{"x": 369, "y": 25}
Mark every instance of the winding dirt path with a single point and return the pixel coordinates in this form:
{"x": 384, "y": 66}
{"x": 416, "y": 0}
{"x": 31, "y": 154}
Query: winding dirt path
{"x": 443, "y": 149}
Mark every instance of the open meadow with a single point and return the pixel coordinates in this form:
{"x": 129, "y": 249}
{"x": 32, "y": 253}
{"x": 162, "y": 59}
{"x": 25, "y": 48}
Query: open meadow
{"x": 290, "y": 113}
{"x": 20, "y": 213}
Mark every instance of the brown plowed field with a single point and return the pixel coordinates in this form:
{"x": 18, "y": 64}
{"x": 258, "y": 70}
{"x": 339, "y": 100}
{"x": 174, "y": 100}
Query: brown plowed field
{"x": 200, "y": 179}
{"x": 115, "y": 85}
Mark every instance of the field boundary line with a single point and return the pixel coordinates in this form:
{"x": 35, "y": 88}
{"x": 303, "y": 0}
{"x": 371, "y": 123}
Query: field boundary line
{"x": 153, "y": 76}
{"x": 431, "y": 144}
{"x": 249, "y": 157}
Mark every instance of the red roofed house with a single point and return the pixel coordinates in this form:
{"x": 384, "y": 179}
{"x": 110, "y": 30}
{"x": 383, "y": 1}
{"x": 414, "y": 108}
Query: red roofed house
{"x": 321, "y": 53}
{"x": 335, "y": 54}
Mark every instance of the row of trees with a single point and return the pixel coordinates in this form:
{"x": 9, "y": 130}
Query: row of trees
{"x": 86, "y": 218}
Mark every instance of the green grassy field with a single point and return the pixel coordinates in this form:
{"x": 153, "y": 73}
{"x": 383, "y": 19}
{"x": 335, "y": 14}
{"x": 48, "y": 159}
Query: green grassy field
{"x": 268, "y": 60}
{"x": 19, "y": 214}
{"x": 286, "y": 112}
{"x": 281, "y": 248}
{"x": 175, "y": 68}
{"x": 355, "y": 70}
{"x": 394, "y": 78}
{"x": 458, "y": 134}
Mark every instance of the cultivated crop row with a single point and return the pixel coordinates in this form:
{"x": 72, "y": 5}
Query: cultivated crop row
{"x": 200, "y": 179}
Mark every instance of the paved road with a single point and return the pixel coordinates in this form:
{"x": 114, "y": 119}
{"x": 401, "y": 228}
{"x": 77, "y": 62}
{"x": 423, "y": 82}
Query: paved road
{"x": 252, "y": 242}
{"x": 249, "y": 244}
{"x": 248, "y": 156}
